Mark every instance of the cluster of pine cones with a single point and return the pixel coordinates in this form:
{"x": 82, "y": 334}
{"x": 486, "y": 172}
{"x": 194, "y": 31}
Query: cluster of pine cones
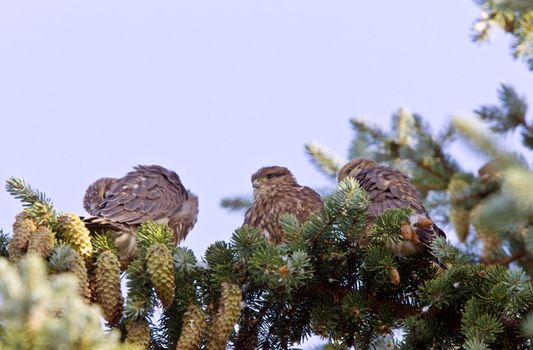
{"x": 65, "y": 242}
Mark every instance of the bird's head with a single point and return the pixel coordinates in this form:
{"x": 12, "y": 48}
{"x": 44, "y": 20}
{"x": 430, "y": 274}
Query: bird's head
{"x": 272, "y": 176}
{"x": 354, "y": 167}
{"x": 186, "y": 217}
{"x": 95, "y": 194}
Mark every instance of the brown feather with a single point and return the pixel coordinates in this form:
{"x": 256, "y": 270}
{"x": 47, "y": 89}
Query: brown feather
{"x": 276, "y": 192}
{"x": 389, "y": 188}
{"x": 147, "y": 193}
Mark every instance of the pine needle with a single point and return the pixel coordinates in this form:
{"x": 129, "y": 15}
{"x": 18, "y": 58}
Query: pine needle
{"x": 28, "y": 195}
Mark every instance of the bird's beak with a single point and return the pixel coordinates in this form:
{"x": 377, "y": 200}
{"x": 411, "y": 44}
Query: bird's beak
{"x": 256, "y": 183}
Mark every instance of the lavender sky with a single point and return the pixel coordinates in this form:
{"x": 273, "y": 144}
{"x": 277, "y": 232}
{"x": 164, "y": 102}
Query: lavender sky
{"x": 216, "y": 89}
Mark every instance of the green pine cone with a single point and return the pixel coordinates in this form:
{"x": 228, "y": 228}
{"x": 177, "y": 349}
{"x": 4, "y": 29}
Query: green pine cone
{"x": 74, "y": 232}
{"x": 193, "y": 328}
{"x": 41, "y": 242}
{"x": 160, "y": 268}
{"x": 138, "y": 334}
{"x": 23, "y": 228}
{"x": 460, "y": 219}
{"x": 490, "y": 239}
{"x": 77, "y": 266}
{"x": 43, "y": 214}
{"x": 107, "y": 286}
{"x": 228, "y": 314}
{"x": 459, "y": 216}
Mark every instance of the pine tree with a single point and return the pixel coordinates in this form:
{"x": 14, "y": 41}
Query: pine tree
{"x": 38, "y": 312}
{"x": 512, "y": 16}
{"x": 334, "y": 275}
{"x": 322, "y": 280}
{"x": 482, "y": 300}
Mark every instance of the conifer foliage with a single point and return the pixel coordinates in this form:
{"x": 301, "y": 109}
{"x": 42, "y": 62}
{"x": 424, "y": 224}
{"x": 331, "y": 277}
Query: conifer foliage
{"x": 482, "y": 299}
{"x": 334, "y": 276}
{"x": 512, "y": 16}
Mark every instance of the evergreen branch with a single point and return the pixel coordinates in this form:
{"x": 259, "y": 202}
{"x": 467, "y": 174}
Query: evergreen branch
{"x": 221, "y": 259}
{"x": 245, "y": 240}
{"x": 47, "y": 313}
{"x": 185, "y": 263}
{"x": 512, "y": 16}
{"x": 446, "y": 135}
{"x": 374, "y": 132}
{"x": 4, "y": 241}
{"x": 62, "y": 258}
{"x": 506, "y": 260}
{"x": 141, "y": 298}
{"x": 478, "y": 138}
{"x": 150, "y": 233}
{"x": 102, "y": 243}
{"x": 21, "y": 190}
{"x": 44, "y": 214}
{"x": 508, "y": 116}
{"x": 236, "y": 203}
{"x": 511, "y": 5}
{"x": 323, "y": 160}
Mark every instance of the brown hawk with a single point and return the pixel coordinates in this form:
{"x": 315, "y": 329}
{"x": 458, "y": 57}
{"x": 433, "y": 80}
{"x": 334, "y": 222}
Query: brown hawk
{"x": 389, "y": 188}
{"x": 150, "y": 192}
{"x": 276, "y": 192}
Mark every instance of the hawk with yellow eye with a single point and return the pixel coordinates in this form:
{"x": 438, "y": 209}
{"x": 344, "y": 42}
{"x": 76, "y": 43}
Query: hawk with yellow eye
{"x": 150, "y": 192}
{"x": 276, "y": 192}
{"x": 389, "y": 188}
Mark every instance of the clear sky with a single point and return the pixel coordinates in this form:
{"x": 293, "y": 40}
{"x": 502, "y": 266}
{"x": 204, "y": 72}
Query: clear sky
{"x": 216, "y": 89}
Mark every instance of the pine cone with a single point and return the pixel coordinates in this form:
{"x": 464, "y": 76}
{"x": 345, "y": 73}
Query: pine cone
{"x": 91, "y": 281}
{"x": 41, "y": 242}
{"x": 491, "y": 241}
{"x": 74, "y": 232}
{"x": 138, "y": 333}
{"x": 43, "y": 214}
{"x": 407, "y": 232}
{"x": 23, "y": 228}
{"x": 460, "y": 219}
{"x": 246, "y": 338}
{"x": 228, "y": 314}
{"x": 459, "y": 216}
{"x": 108, "y": 286}
{"x": 77, "y": 266}
{"x": 394, "y": 276}
{"x": 160, "y": 268}
{"x": 216, "y": 343}
{"x": 193, "y": 328}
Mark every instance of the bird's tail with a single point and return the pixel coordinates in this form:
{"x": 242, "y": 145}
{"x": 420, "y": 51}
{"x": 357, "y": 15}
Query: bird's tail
{"x": 427, "y": 231}
{"x": 124, "y": 236}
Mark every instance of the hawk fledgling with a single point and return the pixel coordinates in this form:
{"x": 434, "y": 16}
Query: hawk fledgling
{"x": 389, "y": 188}
{"x": 276, "y": 192}
{"x": 150, "y": 192}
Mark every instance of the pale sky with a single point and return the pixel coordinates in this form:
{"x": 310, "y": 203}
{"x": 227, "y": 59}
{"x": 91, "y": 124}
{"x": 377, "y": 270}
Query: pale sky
{"x": 216, "y": 89}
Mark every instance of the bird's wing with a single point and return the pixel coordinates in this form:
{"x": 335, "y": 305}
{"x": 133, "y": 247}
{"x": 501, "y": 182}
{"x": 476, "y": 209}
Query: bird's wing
{"x": 148, "y": 193}
{"x": 389, "y": 188}
{"x": 307, "y": 202}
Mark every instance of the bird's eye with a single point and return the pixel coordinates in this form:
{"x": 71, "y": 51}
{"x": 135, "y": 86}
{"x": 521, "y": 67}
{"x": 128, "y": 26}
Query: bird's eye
{"x": 270, "y": 176}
